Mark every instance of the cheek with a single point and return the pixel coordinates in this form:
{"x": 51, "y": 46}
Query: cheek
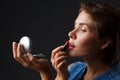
{"x": 87, "y": 44}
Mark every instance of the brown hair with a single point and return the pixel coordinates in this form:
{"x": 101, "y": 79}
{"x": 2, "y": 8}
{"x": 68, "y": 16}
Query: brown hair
{"x": 106, "y": 19}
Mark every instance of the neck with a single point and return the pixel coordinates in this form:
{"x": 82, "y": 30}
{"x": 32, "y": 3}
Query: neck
{"x": 95, "y": 68}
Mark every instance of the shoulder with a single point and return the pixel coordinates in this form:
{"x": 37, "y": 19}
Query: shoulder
{"x": 111, "y": 74}
{"x": 115, "y": 71}
{"x": 76, "y": 70}
{"x": 76, "y": 65}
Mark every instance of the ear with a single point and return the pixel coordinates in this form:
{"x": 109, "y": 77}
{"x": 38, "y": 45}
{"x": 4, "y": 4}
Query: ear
{"x": 105, "y": 42}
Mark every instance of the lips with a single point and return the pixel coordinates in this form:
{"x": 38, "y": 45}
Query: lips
{"x": 71, "y": 47}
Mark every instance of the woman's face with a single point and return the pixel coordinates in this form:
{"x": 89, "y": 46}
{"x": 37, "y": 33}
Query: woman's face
{"x": 84, "y": 40}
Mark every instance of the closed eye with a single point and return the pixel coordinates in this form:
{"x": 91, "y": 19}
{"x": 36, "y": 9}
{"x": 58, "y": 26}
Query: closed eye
{"x": 83, "y": 29}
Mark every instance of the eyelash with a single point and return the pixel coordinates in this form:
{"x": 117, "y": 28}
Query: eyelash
{"x": 84, "y": 30}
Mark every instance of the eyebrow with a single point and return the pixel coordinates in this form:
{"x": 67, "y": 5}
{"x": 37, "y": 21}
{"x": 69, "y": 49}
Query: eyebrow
{"x": 82, "y": 23}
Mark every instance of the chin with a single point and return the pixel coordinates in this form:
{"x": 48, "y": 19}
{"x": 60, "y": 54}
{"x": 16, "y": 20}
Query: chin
{"x": 77, "y": 58}
{"x": 75, "y": 55}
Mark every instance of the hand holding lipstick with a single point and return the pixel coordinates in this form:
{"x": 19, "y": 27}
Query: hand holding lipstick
{"x": 58, "y": 59}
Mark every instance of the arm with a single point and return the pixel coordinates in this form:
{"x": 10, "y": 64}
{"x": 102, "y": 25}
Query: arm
{"x": 46, "y": 74}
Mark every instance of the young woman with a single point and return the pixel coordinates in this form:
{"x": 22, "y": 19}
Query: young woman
{"x": 94, "y": 39}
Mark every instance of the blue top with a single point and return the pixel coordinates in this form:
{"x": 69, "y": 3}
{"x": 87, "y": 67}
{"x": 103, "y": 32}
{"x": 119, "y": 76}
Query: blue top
{"x": 77, "y": 69}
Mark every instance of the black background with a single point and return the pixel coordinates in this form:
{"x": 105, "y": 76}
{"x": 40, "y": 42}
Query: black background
{"x": 46, "y": 22}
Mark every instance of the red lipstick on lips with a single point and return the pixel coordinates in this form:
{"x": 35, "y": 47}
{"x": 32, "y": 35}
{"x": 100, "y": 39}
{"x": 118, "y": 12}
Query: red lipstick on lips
{"x": 71, "y": 46}
{"x": 66, "y": 45}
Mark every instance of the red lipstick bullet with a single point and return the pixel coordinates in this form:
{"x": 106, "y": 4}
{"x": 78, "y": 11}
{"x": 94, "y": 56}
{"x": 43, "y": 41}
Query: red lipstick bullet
{"x": 66, "y": 45}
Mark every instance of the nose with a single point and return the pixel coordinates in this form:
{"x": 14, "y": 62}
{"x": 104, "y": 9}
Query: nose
{"x": 72, "y": 34}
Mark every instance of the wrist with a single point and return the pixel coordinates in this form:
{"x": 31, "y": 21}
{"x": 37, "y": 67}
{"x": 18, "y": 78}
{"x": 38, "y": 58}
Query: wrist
{"x": 62, "y": 77}
{"x": 46, "y": 74}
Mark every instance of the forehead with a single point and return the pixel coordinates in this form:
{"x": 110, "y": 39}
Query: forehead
{"x": 85, "y": 18}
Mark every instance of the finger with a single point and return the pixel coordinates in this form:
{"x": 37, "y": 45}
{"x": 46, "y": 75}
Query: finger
{"x": 15, "y": 55}
{"x": 62, "y": 65}
{"x": 53, "y": 60}
{"x": 55, "y": 51}
{"x": 22, "y": 49}
{"x": 27, "y": 60}
{"x": 19, "y": 54}
{"x": 60, "y": 53}
{"x": 14, "y": 49}
{"x": 21, "y": 57}
{"x": 38, "y": 64}
{"x": 59, "y": 60}
{"x": 33, "y": 59}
